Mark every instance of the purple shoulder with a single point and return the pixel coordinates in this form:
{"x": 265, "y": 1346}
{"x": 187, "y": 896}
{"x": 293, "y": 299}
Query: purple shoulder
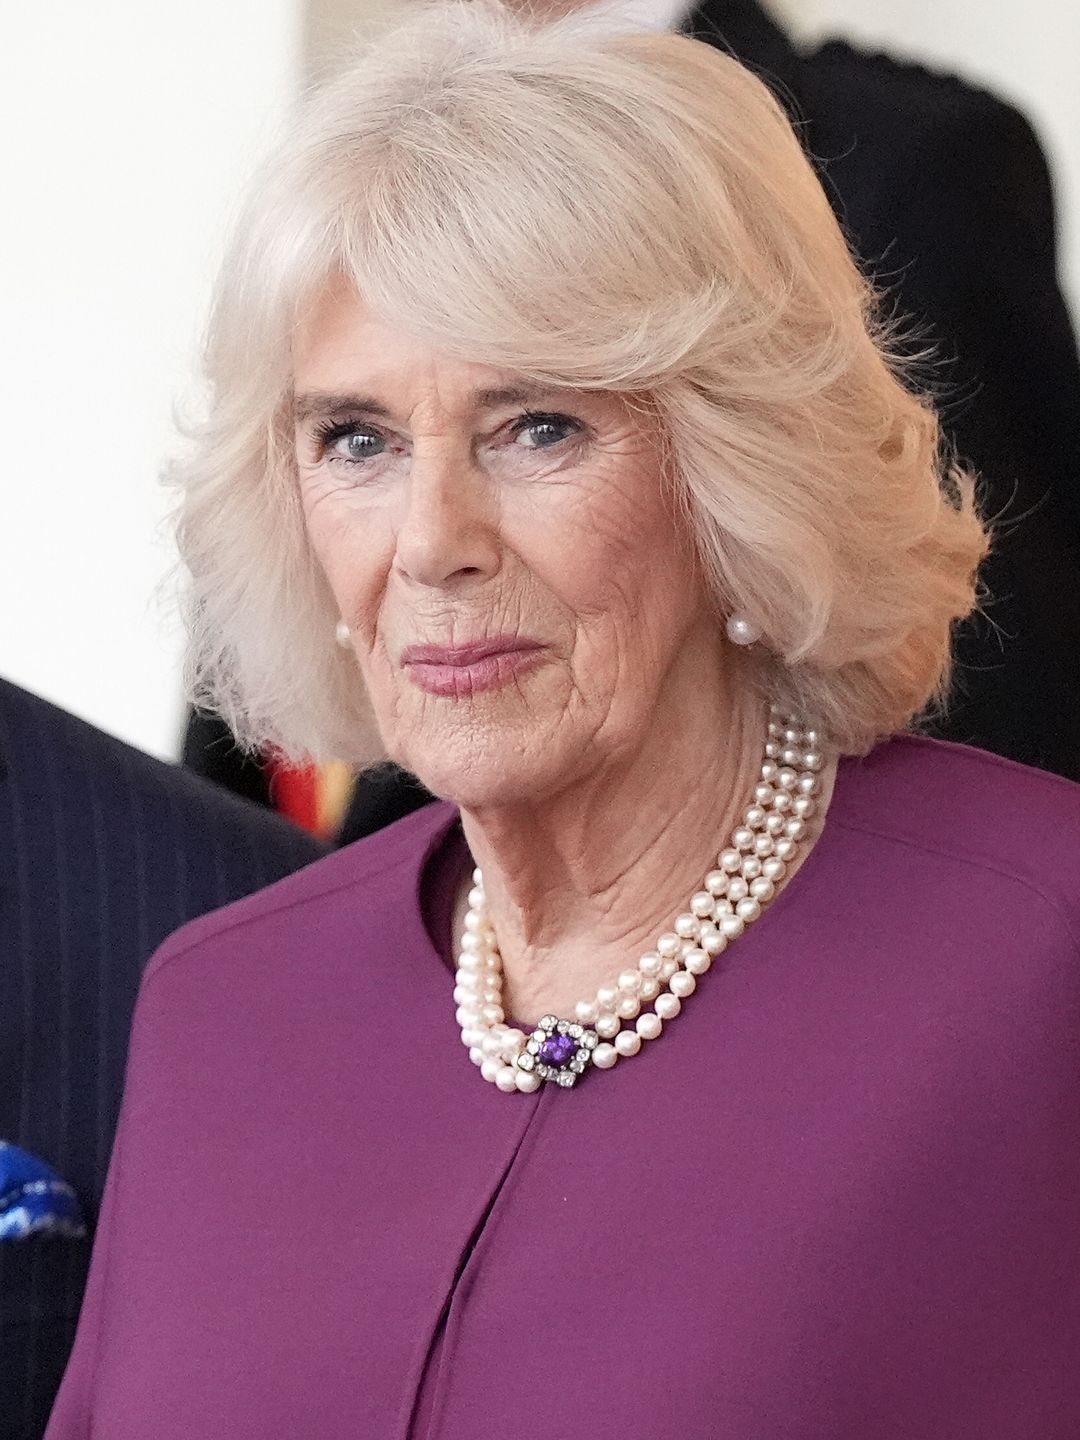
{"x": 964, "y": 804}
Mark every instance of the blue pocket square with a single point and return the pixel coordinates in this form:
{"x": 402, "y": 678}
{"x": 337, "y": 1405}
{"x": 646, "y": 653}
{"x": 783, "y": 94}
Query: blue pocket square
{"x": 33, "y": 1198}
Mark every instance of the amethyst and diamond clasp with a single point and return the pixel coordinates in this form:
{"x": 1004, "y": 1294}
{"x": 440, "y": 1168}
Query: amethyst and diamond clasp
{"x": 558, "y": 1051}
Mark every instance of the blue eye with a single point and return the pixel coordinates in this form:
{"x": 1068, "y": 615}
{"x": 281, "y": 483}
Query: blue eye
{"x": 350, "y": 441}
{"x": 547, "y": 430}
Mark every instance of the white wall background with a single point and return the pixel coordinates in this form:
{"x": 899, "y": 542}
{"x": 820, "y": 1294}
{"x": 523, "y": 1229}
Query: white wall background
{"x": 126, "y": 127}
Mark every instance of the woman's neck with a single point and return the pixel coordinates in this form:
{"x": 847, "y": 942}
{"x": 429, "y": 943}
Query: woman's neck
{"x": 580, "y": 885}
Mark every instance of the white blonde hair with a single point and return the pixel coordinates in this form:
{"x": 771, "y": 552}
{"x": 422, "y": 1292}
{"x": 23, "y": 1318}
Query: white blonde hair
{"x": 622, "y": 212}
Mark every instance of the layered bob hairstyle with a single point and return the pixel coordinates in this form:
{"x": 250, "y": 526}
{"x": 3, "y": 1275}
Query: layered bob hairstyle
{"x": 594, "y": 210}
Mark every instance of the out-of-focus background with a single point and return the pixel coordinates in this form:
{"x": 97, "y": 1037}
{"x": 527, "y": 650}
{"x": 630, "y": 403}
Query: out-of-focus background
{"x": 128, "y": 130}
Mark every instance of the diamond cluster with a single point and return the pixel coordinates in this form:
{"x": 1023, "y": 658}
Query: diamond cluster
{"x": 559, "y": 1051}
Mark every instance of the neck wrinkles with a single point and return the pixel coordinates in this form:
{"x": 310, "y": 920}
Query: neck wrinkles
{"x": 581, "y": 884}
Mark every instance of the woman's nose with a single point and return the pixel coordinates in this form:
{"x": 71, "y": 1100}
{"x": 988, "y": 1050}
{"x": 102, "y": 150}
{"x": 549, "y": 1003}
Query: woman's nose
{"x": 446, "y": 532}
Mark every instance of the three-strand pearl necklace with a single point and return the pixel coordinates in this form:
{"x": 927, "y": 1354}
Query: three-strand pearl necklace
{"x": 616, "y": 1022}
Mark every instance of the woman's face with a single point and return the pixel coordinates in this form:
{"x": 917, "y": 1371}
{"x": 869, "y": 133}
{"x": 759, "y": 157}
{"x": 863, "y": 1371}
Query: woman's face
{"x": 520, "y": 597}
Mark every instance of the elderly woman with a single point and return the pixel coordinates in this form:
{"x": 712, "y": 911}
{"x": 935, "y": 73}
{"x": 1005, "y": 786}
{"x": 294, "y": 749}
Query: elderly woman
{"x": 707, "y": 1064}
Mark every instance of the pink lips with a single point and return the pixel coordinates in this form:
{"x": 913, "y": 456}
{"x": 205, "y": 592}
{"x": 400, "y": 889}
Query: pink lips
{"x": 464, "y": 670}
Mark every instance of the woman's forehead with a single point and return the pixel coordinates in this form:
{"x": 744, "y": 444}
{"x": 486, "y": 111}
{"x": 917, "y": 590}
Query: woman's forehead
{"x": 348, "y": 357}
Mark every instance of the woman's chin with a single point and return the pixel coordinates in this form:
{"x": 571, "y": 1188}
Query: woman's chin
{"x": 476, "y": 784}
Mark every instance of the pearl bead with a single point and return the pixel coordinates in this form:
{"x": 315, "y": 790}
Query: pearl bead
{"x": 748, "y": 910}
{"x": 606, "y": 997}
{"x": 751, "y": 866}
{"x": 466, "y": 1016}
{"x": 713, "y": 942}
{"x": 731, "y": 926}
{"x": 789, "y": 757}
{"x": 792, "y": 736}
{"x": 782, "y": 802}
{"x": 478, "y": 876}
{"x": 650, "y": 988}
{"x": 462, "y": 995}
{"x": 607, "y": 1026}
{"x": 475, "y": 923}
{"x": 506, "y": 1079}
{"x": 687, "y": 926}
{"x": 772, "y": 750}
{"x": 763, "y": 847}
{"x": 649, "y": 1025}
{"x": 668, "y": 1006}
{"x": 513, "y": 1044}
{"x": 787, "y": 779}
{"x": 630, "y": 982}
{"x": 649, "y": 964}
{"x": 811, "y": 737}
{"x": 628, "y": 1042}
{"x": 743, "y": 839}
{"x": 774, "y": 870}
{"x": 808, "y": 785}
{"x": 667, "y": 946}
{"x": 742, "y": 631}
{"x": 813, "y": 760}
{"x": 586, "y": 1012}
{"x": 476, "y": 898}
{"x": 492, "y": 1043}
{"x": 738, "y": 889}
{"x": 702, "y": 904}
{"x": 803, "y": 807}
{"x": 476, "y": 1055}
{"x": 470, "y": 943}
{"x": 682, "y": 985}
{"x": 697, "y": 962}
{"x": 730, "y": 860}
{"x": 668, "y": 968}
{"x": 604, "y": 1056}
{"x": 755, "y": 817}
{"x": 795, "y": 829}
{"x": 490, "y": 1068}
{"x": 774, "y": 825}
{"x": 716, "y": 882}
{"x": 762, "y": 890}
{"x": 470, "y": 962}
{"x": 764, "y": 795}
{"x": 785, "y": 849}
{"x": 527, "y": 1080}
{"x": 492, "y": 1015}
{"x": 473, "y": 1036}
{"x": 627, "y": 1007}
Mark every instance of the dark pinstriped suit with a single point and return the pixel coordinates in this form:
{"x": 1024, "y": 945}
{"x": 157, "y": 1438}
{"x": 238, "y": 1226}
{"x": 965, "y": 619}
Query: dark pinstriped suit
{"x": 103, "y": 852}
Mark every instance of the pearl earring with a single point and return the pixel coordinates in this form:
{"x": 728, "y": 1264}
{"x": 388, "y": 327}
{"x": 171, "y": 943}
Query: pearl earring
{"x": 741, "y": 631}
{"x": 343, "y": 635}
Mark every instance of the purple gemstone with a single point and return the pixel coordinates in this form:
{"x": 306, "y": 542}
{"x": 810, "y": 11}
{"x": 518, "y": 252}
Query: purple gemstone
{"x": 558, "y": 1051}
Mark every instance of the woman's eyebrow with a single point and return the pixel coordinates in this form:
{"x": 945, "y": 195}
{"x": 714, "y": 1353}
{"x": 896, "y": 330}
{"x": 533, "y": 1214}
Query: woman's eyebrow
{"x": 328, "y": 402}
{"x": 325, "y": 402}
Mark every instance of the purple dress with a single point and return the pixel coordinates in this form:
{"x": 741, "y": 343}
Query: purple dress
{"x": 838, "y": 1200}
